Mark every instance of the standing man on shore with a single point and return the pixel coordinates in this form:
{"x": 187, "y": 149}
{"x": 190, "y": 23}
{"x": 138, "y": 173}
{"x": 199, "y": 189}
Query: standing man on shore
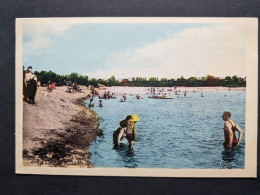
{"x": 230, "y": 127}
{"x": 30, "y": 81}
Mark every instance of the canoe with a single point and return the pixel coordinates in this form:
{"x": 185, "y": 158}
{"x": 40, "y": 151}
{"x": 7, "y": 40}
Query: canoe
{"x": 159, "y": 97}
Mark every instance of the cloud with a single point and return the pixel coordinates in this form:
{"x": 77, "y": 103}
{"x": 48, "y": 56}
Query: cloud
{"x": 216, "y": 49}
{"x": 38, "y": 36}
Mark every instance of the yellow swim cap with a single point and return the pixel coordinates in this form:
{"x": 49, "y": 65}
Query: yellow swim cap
{"x": 134, "y": 117}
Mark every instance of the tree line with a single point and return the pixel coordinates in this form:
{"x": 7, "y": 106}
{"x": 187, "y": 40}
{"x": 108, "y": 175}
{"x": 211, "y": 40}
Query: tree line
{"x": 209, "y": 80}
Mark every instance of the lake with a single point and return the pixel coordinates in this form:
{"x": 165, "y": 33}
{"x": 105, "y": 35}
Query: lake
{"x": 183, "y": 132}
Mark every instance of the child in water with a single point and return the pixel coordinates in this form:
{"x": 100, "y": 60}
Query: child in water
{"x": 91, "y": 104}
{"x": 100, "y": 103}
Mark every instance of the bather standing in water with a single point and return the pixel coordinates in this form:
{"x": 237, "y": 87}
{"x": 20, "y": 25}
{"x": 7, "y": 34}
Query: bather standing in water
{"x": 91, "y": 104}
{"x": 185, "y": 93}
{"x": 230, "y": 127}
{"x": 130, "y": 131}
{"x": 100, "y": 103}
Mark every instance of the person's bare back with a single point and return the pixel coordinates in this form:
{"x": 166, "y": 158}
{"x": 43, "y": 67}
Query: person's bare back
{"x": 230, "y": 127}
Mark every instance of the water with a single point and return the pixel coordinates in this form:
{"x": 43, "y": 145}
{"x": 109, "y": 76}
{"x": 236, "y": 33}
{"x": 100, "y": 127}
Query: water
{"x": 184, "y": 132}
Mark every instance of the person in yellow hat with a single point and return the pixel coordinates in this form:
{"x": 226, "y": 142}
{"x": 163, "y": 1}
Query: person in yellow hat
{"x": 131, "y": 131}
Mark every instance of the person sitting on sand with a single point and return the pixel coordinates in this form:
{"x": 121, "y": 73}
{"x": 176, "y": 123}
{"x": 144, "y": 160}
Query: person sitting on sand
{"x": 100, "y": 103}
{"x": 230, "y": 127}
{"x": 75, "y": 86}
{"x": 91, "y": 104}
{"x": 51, "y": 86}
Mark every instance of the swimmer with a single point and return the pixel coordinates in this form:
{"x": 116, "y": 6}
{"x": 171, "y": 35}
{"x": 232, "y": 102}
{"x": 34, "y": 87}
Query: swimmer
{"x": 100, "y": 103}
{"x": 230, "y": 127}
{"x": 91, "y": 104}
{"x": 138, "y": 97}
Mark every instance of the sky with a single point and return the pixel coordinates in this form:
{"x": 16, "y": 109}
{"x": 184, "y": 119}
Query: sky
{"x": 126, "y": 50}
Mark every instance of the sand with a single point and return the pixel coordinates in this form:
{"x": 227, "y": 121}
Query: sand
{"x": 58, "y": 129}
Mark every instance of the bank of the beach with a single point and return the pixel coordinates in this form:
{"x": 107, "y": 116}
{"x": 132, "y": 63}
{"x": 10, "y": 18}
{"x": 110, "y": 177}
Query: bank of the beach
{"x": 119, "y": 90}
{"x": 58, "y": 129}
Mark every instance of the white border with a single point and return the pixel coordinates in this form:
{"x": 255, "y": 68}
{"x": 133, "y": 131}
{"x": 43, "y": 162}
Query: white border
{"x": 250, "y": 136}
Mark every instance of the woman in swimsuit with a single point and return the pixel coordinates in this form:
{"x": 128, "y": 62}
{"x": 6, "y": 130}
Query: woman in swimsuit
{"x": 230, "y": 127}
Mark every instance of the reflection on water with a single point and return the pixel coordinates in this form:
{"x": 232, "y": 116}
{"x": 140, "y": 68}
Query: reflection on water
{"x": 177, "y": 133}
{"x": 128, "y": 156}
{"x": 229, "y": 159}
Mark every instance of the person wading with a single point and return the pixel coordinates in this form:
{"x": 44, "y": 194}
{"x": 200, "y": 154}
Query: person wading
{"x": 128, "y": 132}
{"x": 120, "y": 133}
{"x": 230, "y": 127}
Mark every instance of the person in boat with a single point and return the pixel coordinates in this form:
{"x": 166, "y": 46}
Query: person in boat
{"x": 30, "y": 81}
{"x": 129, "y": 131}
{"x": 230, "y": 128}
{"x": 100, "y": 103}
{"x": 91, "y": 104}
{"x": 164, "y": 95}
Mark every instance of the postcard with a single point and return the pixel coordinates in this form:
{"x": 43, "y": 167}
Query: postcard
{"x": 146, "y": 97}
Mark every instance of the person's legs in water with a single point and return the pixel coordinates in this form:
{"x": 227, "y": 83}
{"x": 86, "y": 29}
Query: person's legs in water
{"x": 131, "y": 144}
{"x": 120, "y": 135}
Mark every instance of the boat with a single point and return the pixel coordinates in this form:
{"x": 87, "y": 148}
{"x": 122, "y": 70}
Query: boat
{"x": 159, "y": 97}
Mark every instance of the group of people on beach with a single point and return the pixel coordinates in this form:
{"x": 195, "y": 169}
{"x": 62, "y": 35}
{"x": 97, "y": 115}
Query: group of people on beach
{"x": 73, "y": 87}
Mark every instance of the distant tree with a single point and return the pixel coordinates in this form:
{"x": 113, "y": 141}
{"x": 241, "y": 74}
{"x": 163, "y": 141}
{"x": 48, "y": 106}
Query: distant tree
{"x": 181, "y": 81}
{"x": 74, "y": 77}
{"x": 212, "y": 81}
{"x": 112, "y": 81}
{"x": 125, "y": 82}
{"x": 93, "y": 82}
{"x": 192, "y": 82}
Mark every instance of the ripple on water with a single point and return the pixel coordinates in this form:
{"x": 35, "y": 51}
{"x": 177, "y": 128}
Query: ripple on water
{"x": 178, "y": 133}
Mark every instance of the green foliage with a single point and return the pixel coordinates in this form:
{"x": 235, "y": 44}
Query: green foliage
{"x": 209, "y": 80}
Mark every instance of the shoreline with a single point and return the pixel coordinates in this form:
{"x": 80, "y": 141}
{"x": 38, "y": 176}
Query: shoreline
{"x": 119, "y": 90}
{"x": 59, "y": 129}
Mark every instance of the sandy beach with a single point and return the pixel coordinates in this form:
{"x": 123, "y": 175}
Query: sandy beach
{"x": 58, "y": 129}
